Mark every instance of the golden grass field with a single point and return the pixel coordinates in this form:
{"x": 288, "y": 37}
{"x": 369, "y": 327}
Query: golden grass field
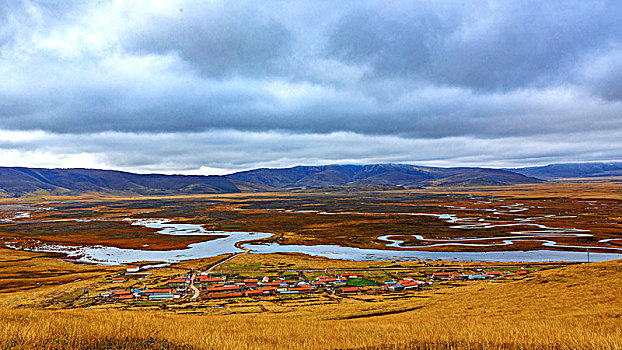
{"x": 572, "y": 307}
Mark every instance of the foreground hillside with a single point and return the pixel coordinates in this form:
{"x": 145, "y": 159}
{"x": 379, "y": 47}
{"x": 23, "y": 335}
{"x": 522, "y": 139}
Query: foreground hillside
{"x": 576, "y": 307}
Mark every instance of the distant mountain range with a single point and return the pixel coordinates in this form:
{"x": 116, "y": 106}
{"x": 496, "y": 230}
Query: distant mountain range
{"x": 572, "y": 170}
{"x": 20, "y": 181}
{"x": 379, "y": 174}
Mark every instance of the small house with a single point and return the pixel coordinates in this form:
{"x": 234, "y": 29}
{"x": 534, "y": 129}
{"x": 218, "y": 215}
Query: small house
{"x": 493, "y": 274}
{"x": 132, "y": 269}
{"x": 230, "y": 288}
{"x": 253, "y": 292}
{"x": 162, "y": 297}
{"x": 442, "y": 276}
{"x": 477, "y": 277}
{"x": 267, "y": 290}
{"x": 176, "y": 283}
{"x": 350, "y": 290}
{"x": 251, "y": 282}
{"x": 395, "y": 287}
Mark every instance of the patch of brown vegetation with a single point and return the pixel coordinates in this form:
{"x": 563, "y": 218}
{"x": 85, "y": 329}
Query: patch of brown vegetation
{"x": 360, "y": 217}
{"x": 109, "y": 233}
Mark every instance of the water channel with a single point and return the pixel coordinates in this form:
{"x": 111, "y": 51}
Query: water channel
{"x": 233, "y": 240}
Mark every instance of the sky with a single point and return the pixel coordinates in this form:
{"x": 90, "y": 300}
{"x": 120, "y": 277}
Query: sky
{"x": 214, "y": 87}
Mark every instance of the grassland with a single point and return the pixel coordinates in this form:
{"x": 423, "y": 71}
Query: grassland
{"x": 295, "y": 261}
{"x": 572, "y": 307}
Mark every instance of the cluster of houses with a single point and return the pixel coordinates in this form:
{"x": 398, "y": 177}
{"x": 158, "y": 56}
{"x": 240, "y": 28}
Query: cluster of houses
{"x": 453, "y": 276}
{"x": 219, "y": 287}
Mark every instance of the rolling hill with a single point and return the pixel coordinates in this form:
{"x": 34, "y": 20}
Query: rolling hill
{"x": 21, "y": 181}
{"x": 380, "y": 174}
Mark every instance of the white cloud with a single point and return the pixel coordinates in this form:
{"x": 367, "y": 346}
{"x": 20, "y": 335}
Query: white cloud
{"x": 218, "y": 86}
{"x": 224, "y": 151}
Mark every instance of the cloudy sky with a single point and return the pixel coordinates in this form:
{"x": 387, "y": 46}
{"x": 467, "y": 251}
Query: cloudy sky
{"x": 210, "y": 87}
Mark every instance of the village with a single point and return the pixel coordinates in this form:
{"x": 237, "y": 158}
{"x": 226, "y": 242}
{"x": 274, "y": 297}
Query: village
{"x": 205, "y": 286}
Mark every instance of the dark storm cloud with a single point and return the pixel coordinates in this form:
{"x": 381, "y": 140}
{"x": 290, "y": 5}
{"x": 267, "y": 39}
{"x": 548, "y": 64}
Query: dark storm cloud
{"x": 603, "y": 73}
{"x": 479, "y": 45}
{"x": 219, "y": 40}
{"x": 240, "y": 84}
{"x": 176, "y": 105}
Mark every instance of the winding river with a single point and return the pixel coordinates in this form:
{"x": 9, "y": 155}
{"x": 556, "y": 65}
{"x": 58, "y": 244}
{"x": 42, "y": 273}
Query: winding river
{"x": 114, "y": 255}
{"x": 233, "y": 240}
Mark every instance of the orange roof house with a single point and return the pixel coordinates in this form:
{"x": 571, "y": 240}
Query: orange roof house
{"x": 121, "y": 292}
{"x": 222, "y": 289}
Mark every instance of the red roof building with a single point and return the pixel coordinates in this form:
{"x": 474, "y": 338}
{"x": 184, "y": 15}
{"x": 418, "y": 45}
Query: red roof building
{"x": 223, "y": 295}
{"x": 267, "y": 290}
{"x": 159, "y": 291}
{"x": 121, "y": 292}
{"x": 210, "y": 279}
{"x": 444, "y": 275}
{"x": 410, "y": 284}
{"x": 222, "y": 289}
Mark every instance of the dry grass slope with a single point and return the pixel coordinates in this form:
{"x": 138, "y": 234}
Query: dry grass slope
{"x": 574, "y": 307}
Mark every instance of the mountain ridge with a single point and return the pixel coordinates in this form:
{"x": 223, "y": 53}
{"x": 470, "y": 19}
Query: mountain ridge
{"x": 20, "y": 181}
{"x": 571, "y": 170}
{"x": 409, "y": 176}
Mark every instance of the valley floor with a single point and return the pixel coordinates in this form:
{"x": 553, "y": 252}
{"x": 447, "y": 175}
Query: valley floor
{"x": 48, "y": 302}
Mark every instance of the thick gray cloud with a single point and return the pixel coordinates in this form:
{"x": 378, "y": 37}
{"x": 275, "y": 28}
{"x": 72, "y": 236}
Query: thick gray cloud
{"x": 602, "y": 73}
{"x": 222, "y": 40}
{"x": 150, "y": 85}
{"x": 227, "y": 150}
{"x": 480, "y": 45}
